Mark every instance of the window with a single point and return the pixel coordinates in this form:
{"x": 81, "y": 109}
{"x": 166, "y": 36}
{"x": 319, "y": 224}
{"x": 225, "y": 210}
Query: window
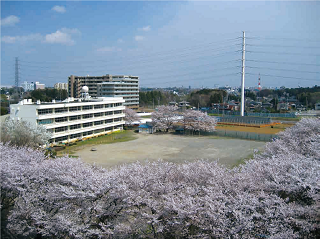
{"x": 108, "y": 128}
{"x": 60, "y": 110}
{"x": 118, "y": 112}
{"x": 87, "y": 133}
{"x": 61, "y": 119}
{"x": 98, "y": 122}
{"x": 45, "y": 121}
{"x": 75, "y": 117}
{"x": 59, "y": 139}
{"x": 108, "y": 105}
{"x": 75, "y": 126}
{"x": 117, "y": 104}
{"x": 87, "y": 116}
{"x": 98, "y": 114}
{"x": 61, "y": 129}
{"x": 109, "y": 121}
{"x": 87, "y": 124}
{"x": 87, "y": 107}
{"x": 74, "y": 136}
{"x": 44, "y": 111}
{"x": 75, "y": 108}
{"x": 109, "y": 113}
{"x": 98, "y": 106}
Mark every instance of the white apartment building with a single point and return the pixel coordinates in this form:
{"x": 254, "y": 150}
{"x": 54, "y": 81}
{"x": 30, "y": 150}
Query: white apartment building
{"x": 61, "y": 86}
{"x": 27, "y": 86}
{"x": 73, "y": 119}
{"x": 121, "y": 86}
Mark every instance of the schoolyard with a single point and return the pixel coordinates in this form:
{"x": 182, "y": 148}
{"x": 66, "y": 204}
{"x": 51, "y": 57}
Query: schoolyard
{"x": 168, "y": 147}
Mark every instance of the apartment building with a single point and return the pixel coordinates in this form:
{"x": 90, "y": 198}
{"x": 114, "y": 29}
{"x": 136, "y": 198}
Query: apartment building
{"x": 27, "y": 86}
{"x": 73, "y": 119}
{"x": 121, "y": 86}
{"x": 37, "y": 86}
{"x": 61, "y": 86}
{"x": 107, "y": 86}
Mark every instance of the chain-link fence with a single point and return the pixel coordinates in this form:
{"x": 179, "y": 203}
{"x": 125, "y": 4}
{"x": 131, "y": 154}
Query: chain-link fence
{"x": 243, "y": 120}
{"x": 242, "y": 135}
{"x": 268, "y": 115}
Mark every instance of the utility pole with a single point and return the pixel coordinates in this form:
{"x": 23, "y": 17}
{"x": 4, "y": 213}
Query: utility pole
{"x": 243, "y": 71}
{"x": 16, "y": 81}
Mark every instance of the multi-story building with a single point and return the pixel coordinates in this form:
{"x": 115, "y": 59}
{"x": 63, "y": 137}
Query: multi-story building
{"x": 121, "y": 86}
{"x": 28, "y": 86}
{"x": 37, "y": 86}
{"x": 73, "y": 119}
{"x": 109, "y": 86}
{"x": 61, "y": 86}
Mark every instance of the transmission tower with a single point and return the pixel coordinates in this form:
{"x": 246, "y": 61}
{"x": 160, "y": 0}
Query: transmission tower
{"x": 242, "y": 74}
{"x": 16, "y": 82}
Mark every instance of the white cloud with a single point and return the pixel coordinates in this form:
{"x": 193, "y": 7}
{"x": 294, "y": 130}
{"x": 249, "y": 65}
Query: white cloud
{"x": 31, "y": 37}
{"x": 120, "y": 41}
{"x": 59, "y": 9}
{"x": 10, "y": 20}
{"x": 138, "y": 38}
{"x": 146, "y": 28}
{"x": 108, "y": 49}
{"x": 61, "y": 36}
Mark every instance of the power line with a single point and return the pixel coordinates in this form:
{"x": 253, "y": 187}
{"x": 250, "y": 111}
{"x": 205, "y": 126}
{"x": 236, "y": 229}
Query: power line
{"x": 283, "y": 53}
{"x": 287, "y": 39}
{"x": 287, "y": 63}
{"x": 171, "y": 52}
{"x": 210, "y": 77}
{"x": 148, "y": 72}
{"x": 282, "y": 46}
{"x": 255, "y": 67}
{"x": 289, "y": 77}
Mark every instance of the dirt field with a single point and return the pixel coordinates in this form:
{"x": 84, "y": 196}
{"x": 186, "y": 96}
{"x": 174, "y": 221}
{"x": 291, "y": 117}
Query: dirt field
{"x": 264, "y": 130}
{"x": 170, "y": 148}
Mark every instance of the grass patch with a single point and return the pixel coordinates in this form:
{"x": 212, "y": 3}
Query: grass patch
{"x": 146, "y": 116}
{"x": 116, "y": 137}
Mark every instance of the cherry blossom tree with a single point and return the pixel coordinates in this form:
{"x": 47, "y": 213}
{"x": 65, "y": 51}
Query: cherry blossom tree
{"x": 131, "y": 116}
{"x": 23, "y": 133}
{"x": 165, "y": 117}
{"x": 198, "y": 121}
{"x": 274, "y": 195}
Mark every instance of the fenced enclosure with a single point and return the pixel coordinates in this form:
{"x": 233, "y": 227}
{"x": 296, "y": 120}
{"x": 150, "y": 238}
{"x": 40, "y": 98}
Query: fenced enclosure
{"x": 242, "y": 135}
{"x": 243, "y": 120}
{"x": 253, "y": 114}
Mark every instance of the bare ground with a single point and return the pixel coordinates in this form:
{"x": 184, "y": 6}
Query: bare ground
{"x": 173, "y": 148}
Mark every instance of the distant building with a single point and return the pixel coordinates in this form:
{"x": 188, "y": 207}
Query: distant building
{"x": 107, "y": 86}
{"x": 61, "y": 86}
{"x": 317, "y": 106}
{"x": 37, "y": 86}
{"x": 28, "y": 86}
{"x": 73, "y": 119}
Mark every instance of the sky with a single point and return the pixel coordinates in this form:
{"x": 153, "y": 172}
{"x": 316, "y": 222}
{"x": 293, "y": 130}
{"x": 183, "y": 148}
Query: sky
{"x": 166, "y": 44}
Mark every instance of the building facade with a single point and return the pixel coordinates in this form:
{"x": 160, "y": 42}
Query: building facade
{"x": 121, "y": 86}
{"x": 73, "y": 119}
{"x": 27, "y": 86}
{"x": 37, "y": 86}
{"x": 107, "y": 86}
{"x": 61, "y": 86}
